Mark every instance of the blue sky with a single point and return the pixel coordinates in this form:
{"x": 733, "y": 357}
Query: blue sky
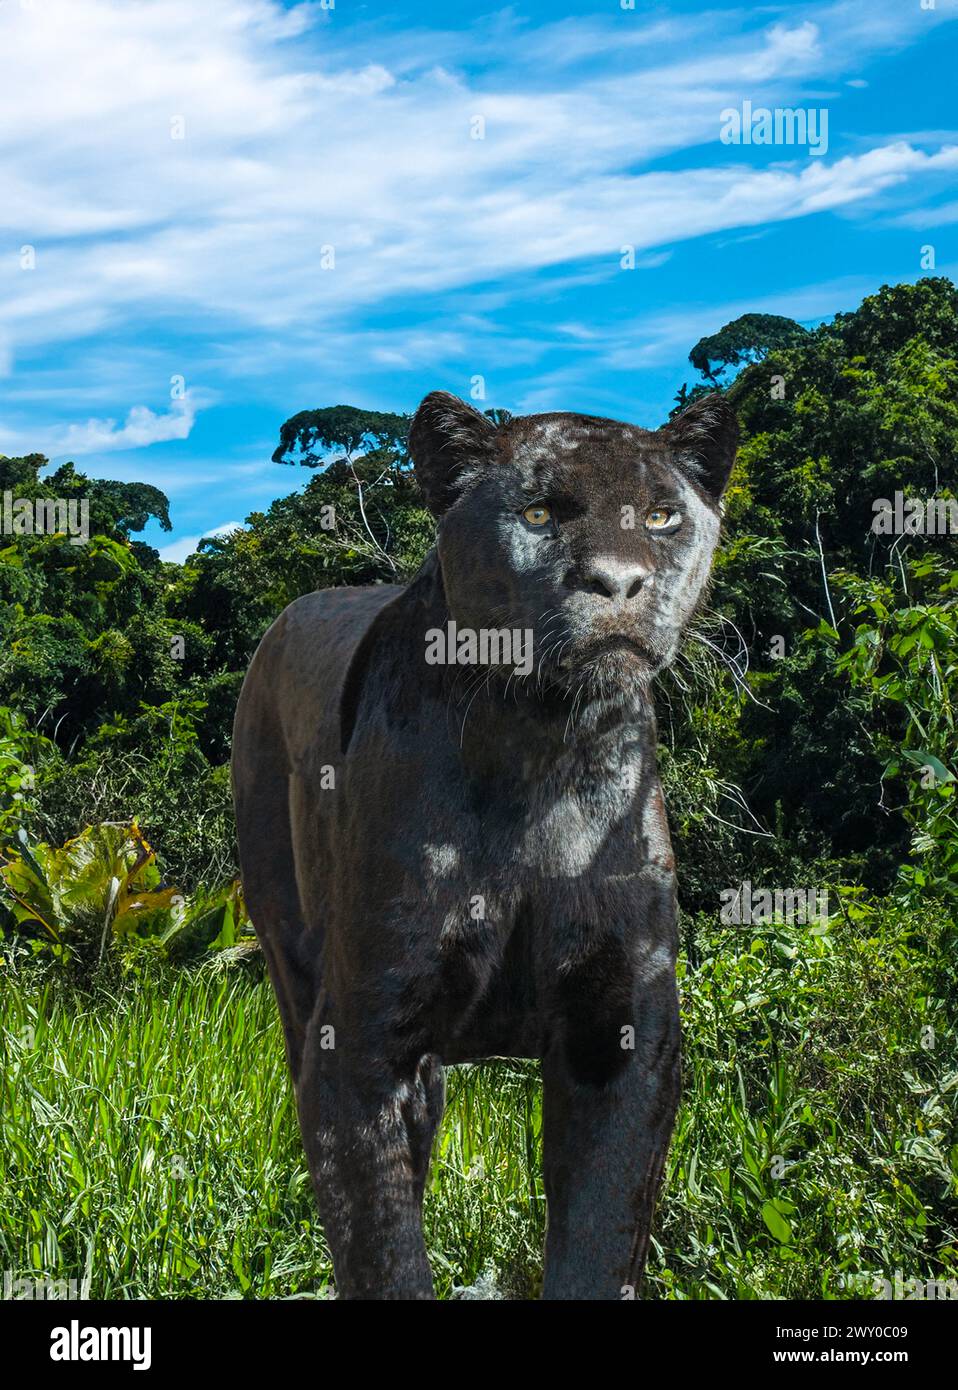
{"x": 305, "y": 127}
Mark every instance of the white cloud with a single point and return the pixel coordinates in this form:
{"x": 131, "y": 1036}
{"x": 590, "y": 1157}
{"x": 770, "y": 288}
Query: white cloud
{"x": 294, "y": 140}
{"x": 302, "y": 132}
{"x": 141, "y": 428}
{"x": 941, "y": 216}
{"x": 178, "y": 551}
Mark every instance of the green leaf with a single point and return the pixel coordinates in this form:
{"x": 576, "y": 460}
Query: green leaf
{"x": 773, "y": 1214}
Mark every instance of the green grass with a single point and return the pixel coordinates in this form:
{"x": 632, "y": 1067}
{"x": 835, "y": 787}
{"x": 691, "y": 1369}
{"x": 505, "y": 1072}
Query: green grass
{"x": 149, "y": 1146}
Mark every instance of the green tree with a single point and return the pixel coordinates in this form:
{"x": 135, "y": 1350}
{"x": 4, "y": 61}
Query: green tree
{"x": 749, "y": 338}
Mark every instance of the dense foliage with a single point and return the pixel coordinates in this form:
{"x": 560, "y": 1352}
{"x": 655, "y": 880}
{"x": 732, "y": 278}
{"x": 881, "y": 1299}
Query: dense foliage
{"x": 794, "y": 731}
{"x": 808, "y": 738}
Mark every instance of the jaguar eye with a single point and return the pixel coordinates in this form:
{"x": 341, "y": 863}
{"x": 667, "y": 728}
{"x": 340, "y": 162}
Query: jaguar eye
{"x": 661, "y": 519}
{"x": 538, "y": 515}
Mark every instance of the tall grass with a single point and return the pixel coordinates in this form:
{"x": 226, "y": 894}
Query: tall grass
{"x": 149, "y": 1148}
{"x": 149, "y": 1143}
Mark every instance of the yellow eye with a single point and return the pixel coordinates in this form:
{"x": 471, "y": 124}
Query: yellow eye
{"x": 537, "y": 516}
{"x": 660, "y": 519}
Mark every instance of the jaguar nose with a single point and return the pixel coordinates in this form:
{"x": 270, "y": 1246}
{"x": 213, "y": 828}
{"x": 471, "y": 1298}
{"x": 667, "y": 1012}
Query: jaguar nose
{"x": 619, "y": 580}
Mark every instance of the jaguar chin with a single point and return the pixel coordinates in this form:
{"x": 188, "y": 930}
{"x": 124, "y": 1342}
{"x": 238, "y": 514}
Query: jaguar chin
{"x": 618, "y": 667}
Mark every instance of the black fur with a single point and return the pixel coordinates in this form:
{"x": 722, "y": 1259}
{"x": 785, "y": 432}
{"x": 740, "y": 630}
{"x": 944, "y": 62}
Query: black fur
{"x": 489, "y": 873}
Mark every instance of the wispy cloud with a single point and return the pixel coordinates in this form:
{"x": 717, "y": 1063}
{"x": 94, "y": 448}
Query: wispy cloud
{"x": 288, "y": 148}
{"x": 285, "y": 205}
{"x": 141, "y": 428}
{"x": 941, "y": 216}
{"x": 178, "y": 550}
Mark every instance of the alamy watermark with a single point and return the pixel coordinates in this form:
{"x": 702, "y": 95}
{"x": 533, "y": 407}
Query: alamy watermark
{"x": 485, "y": 646}
{"x": 783, "y": 125}
{"x": 39, "y": 1289}
{"x": 915, "y": 516}
{"x": 743, "y": 906}
{"x": 46, "y": 516}
{"x": 897, "y": 1287}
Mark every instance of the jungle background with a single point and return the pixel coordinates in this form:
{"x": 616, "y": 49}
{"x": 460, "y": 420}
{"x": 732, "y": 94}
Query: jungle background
{"x": 148, "y": 1145}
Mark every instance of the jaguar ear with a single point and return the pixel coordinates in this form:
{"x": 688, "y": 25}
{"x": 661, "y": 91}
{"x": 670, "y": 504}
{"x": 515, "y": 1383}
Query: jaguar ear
{"x": 447, "y": 439}
{"x": 703, "y": 440}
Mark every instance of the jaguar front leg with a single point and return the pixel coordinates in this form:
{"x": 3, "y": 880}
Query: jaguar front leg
{"x": 611, "y": 1090}
{"x": 368, "y": 1124}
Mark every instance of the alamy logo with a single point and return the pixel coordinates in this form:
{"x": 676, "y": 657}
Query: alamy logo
{"x": 487, "y": 646}
{"x": 784, "y": 125}
{"x": 915, "y": 516}
{"x": 743, "y": 906}
{"x": 76, "y": 1343}
{"x": 47, "y": 516}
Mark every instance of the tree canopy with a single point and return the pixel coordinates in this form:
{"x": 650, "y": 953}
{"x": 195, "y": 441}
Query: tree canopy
{"x": 311, "y": 435}
{"x": 746, "y": 339}
{"x": 132, "y": 666}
